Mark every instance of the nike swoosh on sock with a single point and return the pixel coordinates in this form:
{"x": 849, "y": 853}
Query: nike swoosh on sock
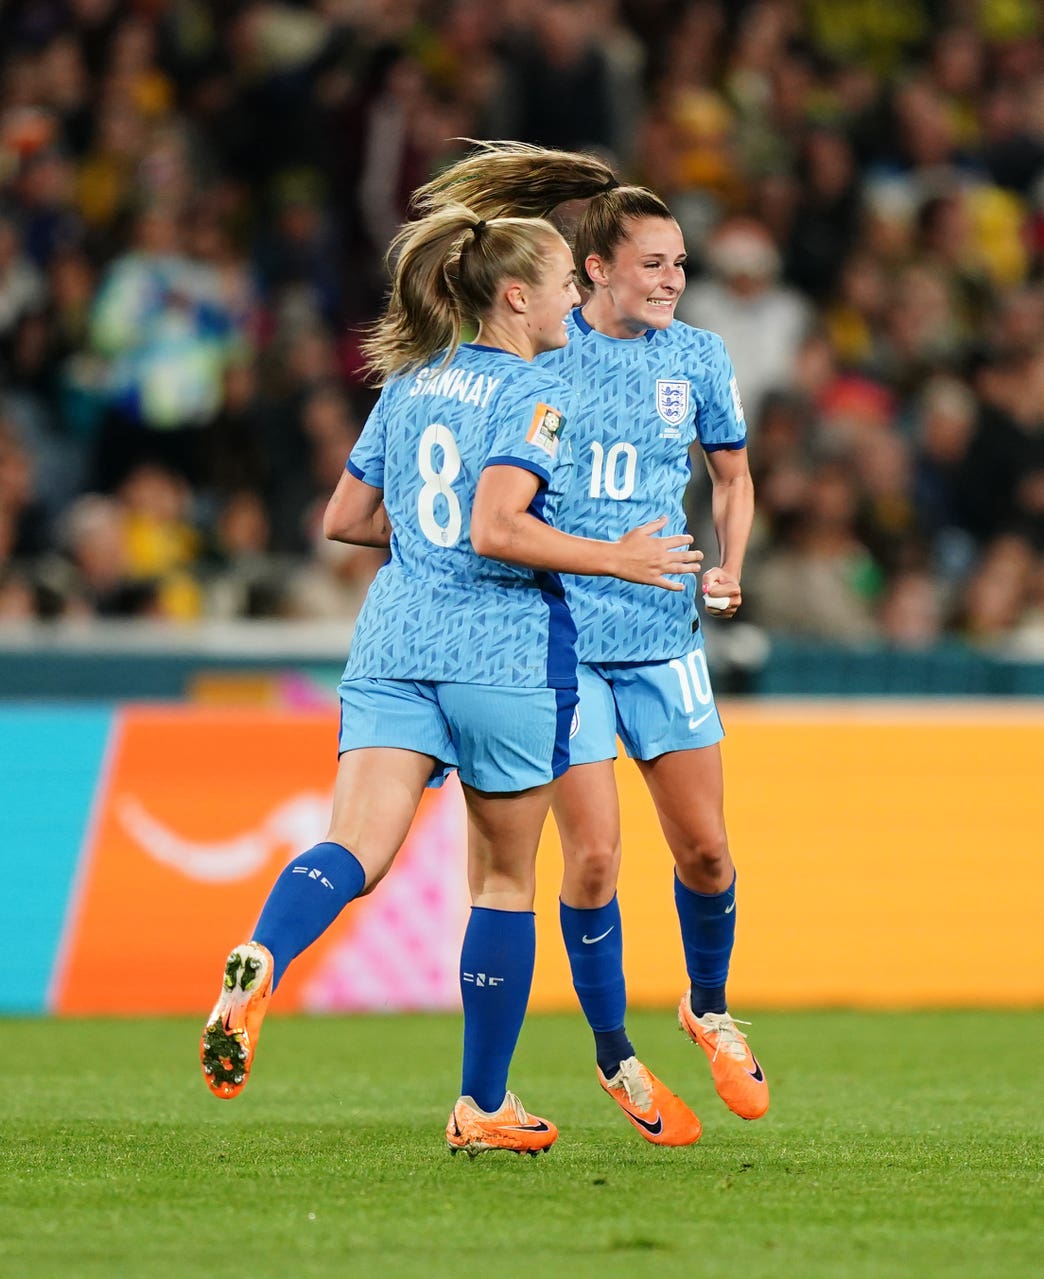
{"x": 590, "y": 941}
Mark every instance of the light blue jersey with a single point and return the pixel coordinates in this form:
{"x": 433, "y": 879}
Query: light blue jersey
{"x": 642, "y": 403}
{"x": 437, "y": 611}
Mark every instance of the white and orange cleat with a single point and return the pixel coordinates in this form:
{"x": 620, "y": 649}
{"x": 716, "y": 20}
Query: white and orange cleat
{"x": 226, "y": 1049}
{"x": 658, "y": 1114}
{"x": 509, "y": 1128}
{"x": 737, "y": 1075}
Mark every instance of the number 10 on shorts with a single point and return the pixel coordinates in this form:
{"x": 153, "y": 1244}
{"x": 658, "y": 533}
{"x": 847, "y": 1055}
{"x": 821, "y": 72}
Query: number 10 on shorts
{"x": 694, "y": 679}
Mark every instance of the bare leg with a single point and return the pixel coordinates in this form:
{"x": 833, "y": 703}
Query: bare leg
{"x": 587, "y": 813}
{"x": 375, "y": 799}
{"x": 688, "y": 791}
{"x": 503, "y": 836}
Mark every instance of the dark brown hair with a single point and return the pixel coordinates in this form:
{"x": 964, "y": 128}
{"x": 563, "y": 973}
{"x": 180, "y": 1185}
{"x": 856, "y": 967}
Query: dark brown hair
{"x": 500, "y": 178}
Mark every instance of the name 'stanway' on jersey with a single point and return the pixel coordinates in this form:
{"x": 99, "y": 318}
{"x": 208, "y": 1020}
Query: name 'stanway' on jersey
{"x": 456, "y": 384}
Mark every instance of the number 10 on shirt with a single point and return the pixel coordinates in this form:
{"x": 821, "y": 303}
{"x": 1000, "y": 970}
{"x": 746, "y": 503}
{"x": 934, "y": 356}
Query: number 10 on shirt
{"x": 605, "y": 470}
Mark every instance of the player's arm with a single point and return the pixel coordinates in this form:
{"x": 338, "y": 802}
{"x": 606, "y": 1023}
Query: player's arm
{"x": 732, "y": 510}
{"x": 356, "y": 514}
{"x": 503, "y": 528}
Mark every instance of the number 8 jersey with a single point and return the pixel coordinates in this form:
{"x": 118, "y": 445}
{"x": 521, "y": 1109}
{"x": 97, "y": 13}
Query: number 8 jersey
{"x": 642, "y": 402}
{"x": 437, "y": 611}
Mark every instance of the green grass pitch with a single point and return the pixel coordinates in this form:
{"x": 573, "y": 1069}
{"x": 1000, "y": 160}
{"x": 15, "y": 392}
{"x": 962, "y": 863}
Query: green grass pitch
{"x": 897, "y": 1145}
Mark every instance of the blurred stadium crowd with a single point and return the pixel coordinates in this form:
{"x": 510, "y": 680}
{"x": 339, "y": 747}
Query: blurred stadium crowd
{"x": 195, "y": 200}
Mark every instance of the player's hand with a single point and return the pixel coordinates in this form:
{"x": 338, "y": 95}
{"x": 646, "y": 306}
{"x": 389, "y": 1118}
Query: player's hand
{"x": 643, "y": 557}
{"x": 721, "y": 593}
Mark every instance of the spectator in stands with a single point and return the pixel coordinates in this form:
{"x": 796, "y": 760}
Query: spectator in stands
{"x": 559, "y": 81}
{"x": 162, "y": 323}
{"x": 25, "y": 520}
{"x": 943, "y": 485}
{"x": 160, "y": 540}
{"x": 825, "y": 221}
{"x": 998, "y": 592}
{"x": 101, "y": 583}
{"x": 22, "y": 289}
{"x": 817, "y": 579}
{"x": 912, "y": 611}
{"x": 762, "y": 321}
{"x": 1026, "y": 638}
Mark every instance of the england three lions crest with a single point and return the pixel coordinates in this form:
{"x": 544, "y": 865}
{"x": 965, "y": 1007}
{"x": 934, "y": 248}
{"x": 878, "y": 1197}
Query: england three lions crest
{"x": 672, "y": 403}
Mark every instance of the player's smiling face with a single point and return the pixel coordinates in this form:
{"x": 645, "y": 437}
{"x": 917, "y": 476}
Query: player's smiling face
{"x": 639, "y": 286}
{"x": 551, "y": 300}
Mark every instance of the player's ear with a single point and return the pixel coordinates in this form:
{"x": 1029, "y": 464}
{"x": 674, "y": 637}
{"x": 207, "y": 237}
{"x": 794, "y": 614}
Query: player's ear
{"x": 515, "y": 296}
{"x": 595, "y": 268}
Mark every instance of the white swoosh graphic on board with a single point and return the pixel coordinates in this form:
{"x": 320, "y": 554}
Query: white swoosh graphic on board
{"x": 299, "y": 822}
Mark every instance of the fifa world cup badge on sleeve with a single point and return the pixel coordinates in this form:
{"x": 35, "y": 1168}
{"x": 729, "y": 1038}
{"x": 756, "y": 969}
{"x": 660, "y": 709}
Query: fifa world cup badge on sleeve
{"x": 544, "y": 429}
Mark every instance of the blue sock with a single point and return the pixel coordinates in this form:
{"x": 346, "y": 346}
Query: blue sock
{"x": 708, "y": 929}
{"x": 496, "y": 973}
{"x": 305, "y": 900}
{"x": 594, "y": 943}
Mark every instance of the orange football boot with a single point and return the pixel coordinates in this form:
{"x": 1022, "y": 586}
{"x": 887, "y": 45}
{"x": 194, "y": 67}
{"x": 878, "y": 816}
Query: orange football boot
{"x": 659, "y": 1114}
{"x": 509, "y": 1128}
{"x": 738, "y": 1078}
{"x": 226, "y": 1049}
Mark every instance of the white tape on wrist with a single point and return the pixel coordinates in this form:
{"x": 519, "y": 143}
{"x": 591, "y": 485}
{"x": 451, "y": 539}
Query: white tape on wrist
{"x": 717, "y": 602}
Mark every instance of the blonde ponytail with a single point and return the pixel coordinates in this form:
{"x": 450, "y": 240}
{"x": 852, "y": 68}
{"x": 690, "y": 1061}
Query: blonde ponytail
{"x": 447, "y": 269}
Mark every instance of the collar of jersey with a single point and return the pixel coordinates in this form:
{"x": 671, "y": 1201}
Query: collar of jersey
{"x": 498, "y": 350}
{"x": 585, "y": 328}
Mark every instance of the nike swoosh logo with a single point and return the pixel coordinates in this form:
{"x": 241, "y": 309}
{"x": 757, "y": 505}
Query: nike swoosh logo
{"x": 653, "y": 1129}
{"x": 540, "y": 1127}
{"x": 730, "y": 908}
{"x": 590, "y": 941}
{"x": 756, "y": 1074}
{"x": 695, "y": 723}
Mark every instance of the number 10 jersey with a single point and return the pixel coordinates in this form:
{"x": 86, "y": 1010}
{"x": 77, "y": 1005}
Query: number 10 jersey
{"x": 642, "y": 402}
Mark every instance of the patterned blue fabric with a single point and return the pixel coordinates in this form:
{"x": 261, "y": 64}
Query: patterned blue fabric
{"x": 625, "y": 461}
{"x": 652, "y": 707}
{"x": 437, "y": 610}
{"x": 498, "y": 738}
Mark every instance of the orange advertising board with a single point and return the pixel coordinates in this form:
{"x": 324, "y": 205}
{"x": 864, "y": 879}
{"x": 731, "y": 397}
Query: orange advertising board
{"x": 888, "y": 855}
{"x": 197, "y": 814}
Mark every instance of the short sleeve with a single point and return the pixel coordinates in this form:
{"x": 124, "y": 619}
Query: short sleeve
{"x": 720, "y": 422}
{"x": 529, "y": 418}
{"x": 366, "y": 460}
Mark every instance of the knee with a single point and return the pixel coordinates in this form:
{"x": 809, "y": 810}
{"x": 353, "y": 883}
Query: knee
{"x": 503, "y": 892}
{"x": 591, "y": 872}
{"x": 704, "y": 862}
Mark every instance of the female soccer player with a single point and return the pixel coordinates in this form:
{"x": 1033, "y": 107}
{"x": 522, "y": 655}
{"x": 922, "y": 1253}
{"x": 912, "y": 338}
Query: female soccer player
{"x": 463, "y": 655}
{"x": 653, "y": 387}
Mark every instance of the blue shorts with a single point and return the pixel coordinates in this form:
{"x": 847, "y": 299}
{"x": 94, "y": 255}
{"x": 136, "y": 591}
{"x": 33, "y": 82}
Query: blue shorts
{"x": 654, "y": 707}
{"x": 499, "y": 739}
